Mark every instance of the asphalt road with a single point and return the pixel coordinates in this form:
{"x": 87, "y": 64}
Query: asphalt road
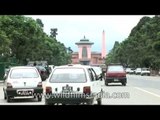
{"x": 140, "y": 90}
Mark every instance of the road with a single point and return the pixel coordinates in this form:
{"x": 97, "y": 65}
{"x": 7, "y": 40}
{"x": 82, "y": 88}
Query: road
{"x": 140, "y": 90}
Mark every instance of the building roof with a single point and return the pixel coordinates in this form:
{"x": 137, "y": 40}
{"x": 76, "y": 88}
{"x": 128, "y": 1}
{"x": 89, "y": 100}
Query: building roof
{"x": 91, "y": 53}
{"x": 84, "y": 41}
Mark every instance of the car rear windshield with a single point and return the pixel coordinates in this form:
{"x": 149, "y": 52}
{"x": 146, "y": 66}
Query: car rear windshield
{"x": 68, "y": 75}
{"x": 24, "y": 73}
{"x": 115, "y": 68}
{"x": 145, "y": 69}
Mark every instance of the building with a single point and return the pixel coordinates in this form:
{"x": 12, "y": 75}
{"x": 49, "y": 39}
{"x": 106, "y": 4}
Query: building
{"x": 86, "y": 56}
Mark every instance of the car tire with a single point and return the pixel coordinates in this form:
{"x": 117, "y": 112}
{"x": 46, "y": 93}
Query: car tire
{"x": 90, "y": 102}
{"x": 46, "y": 103}
{"x": 8, "y": 98}
{"x": 99, "y": 101}
{"x": 39, "y": 98}
{"x": 5, "y": 96}
{"x": 124, "y": 83}
{"x": 106, "y": 83}
{"x": 49, "y": 103}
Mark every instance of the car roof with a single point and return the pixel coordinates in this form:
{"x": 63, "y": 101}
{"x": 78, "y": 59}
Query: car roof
{"x": 73, "y": 66}
{"x": 13, "y": 67}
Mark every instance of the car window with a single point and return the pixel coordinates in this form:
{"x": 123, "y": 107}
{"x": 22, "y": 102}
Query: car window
{"x": 69, "y": 75}
{"x": 97, "y": 70}
{"x": 145, "y": 69}
{"x": 92, "y": 75}
{"x": 115, "y": 68}
{"x": 23, "y": 73}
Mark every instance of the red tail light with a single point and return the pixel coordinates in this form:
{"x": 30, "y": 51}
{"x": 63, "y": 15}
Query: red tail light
{"x": 39, "y": 84}
{"x": 9, "y": 85}
{"x": 87, "y": 90}
{"x": 48, "y": 90}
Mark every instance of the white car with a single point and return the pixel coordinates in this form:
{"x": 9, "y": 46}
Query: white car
{"x": 138, "y": 71}
{"x": 145, "y": 71}
{"x": 128, "y": 70}
{"x": 73, "y": 84}
{"x": 22, "y": 81}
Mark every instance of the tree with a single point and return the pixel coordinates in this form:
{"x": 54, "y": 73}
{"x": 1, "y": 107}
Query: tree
{"x": 39, "y": 21}
{"x": 53, "y": 32}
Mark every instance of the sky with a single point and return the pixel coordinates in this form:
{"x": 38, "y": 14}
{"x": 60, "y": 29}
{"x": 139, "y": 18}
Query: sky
{"x": 72, "y": 28}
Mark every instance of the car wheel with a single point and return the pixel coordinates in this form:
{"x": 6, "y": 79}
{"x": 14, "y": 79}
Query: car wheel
{"x": 49, "y": 103}
{"x": 106, "y": 83}
{"x": 90, "y": 102}
{"x": 39, "y": 98}
{"x": 46, "y": 103}
{"x": 124, "y": 83}
{"x": 5, "y": 96}
{"x": 99, "y": 101}
{"x": 8, "y": 98}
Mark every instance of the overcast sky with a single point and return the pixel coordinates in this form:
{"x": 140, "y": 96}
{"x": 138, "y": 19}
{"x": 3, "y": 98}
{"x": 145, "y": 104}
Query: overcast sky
{"x": 72, "y": 28}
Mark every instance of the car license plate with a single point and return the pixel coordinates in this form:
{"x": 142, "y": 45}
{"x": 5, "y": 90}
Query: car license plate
{"x": 67, "y": 89}
{"x": 25, "y": 91}
{"x": 116, "y": 80}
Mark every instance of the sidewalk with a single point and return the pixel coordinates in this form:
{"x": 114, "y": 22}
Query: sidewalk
{"x": 1, "y": 82}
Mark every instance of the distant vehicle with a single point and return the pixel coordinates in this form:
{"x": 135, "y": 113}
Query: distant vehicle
{"x": 38, "y": 63}
{"x": 22, "y": 81}
{"x": 130, "y": 71}
{"x": 145, "y": 71}
{"x": 43, "y": 72}
{"x": 73, "y": 84}
{"x": 138, "y": 71}
{"x": 115, "y": 73}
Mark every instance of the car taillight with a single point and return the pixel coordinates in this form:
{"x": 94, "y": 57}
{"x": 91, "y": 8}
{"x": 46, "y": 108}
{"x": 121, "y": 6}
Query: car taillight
{"x": 87, "y": 90}
{"x": 9, "y": 85}
{"x": 39, "y": 84}
{"x": 48, "y": 90}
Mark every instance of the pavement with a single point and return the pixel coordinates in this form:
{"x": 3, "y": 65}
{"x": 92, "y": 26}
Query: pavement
{"x": 1, "y": 82}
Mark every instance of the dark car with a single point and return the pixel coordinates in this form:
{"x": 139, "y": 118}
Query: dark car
{"x": 43, "y": 72}
{"x": 115, "y": 73}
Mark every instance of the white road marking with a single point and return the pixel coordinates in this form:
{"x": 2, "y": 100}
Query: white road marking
{"x": 147, "y": 92}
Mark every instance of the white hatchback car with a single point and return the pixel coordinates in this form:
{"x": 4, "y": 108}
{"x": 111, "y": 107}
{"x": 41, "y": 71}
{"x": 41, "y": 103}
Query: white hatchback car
{"x": 22, "y": 81}
{"x": 73, "y": 84}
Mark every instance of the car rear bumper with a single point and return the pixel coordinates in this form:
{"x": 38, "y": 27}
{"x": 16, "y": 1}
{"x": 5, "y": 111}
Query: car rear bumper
{"x": 15, "y": 92}
{"x": 115, "y": 79}
{"x": 68, "y": 98}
